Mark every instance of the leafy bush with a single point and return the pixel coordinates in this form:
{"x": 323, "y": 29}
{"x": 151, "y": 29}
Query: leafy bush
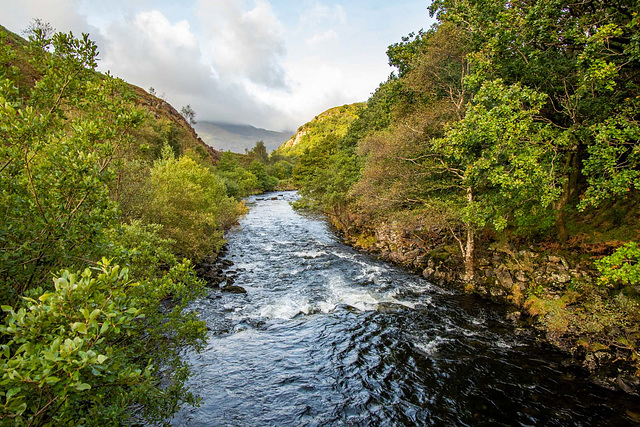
{"x": 192, "y": 205}
{"x": 80, "y": 354}
{"x": 622, "y": 267}
{"x": 56, "y": 160}
{"x": 238, "y": 181}
{"x": 266, "y": 182}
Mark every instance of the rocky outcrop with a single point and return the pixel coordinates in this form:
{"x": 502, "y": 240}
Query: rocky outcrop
{"x": 295, "y": 139}
{"x": 503, "y": 272}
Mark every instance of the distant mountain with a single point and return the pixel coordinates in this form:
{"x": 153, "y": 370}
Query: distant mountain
{"x": 237, "y": 138}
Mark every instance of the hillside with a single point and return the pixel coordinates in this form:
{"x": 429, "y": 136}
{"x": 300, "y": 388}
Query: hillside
{"x": 184, "y": 136}
{"x": 109, "y": 200}
{"x": 238, "y": 138}
{"x": 335, "y": 121}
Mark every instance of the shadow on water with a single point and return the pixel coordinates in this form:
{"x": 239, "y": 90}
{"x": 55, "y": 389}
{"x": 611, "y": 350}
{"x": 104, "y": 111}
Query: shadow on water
{"x": 329, "y": 336}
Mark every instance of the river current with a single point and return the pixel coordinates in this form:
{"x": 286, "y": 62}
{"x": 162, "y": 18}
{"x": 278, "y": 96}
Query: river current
{"x": 326, "y": 335}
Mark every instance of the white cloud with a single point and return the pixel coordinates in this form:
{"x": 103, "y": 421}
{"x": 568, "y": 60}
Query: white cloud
{"x": 148, "y": 50}
{"x": 322, "y": 37}
{"x": 273, "y": 64}
{"x": 321, "y": 15}
{"x": 243, "y": 42}
{"x": 63, "y": 15}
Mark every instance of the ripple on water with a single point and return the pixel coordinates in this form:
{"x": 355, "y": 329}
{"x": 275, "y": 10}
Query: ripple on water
{"x": 328, "y": 336}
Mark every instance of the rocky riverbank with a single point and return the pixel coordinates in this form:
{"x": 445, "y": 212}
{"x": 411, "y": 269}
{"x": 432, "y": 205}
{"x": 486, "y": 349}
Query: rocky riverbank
{"x": 219, "y": 273}
{"x": 553, "y": 289}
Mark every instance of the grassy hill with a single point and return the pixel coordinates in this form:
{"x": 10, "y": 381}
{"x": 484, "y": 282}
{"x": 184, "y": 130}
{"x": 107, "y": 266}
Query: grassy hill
{"x": 335, "y": 121}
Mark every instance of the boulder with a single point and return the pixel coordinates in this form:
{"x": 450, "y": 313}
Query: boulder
{"x": 521, "y": 276}
{"x": 504, "y": 277}
{"x": 233, "y": 289}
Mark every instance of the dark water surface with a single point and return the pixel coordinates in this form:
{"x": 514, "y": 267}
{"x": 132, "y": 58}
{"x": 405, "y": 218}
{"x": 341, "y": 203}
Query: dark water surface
{"x": 329, "y": 336}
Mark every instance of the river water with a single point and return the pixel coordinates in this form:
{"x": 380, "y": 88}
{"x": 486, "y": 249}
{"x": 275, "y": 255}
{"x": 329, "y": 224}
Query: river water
{"x": 329, "y": 336}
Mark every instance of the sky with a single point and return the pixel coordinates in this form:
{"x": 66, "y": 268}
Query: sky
{"x": 273, "y": 64}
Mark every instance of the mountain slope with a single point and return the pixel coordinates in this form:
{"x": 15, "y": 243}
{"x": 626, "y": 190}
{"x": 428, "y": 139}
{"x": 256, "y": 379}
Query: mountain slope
{"x": 334, "y": 121}
{"x": 184, "y": 136}
{"x": 238, "y": 138}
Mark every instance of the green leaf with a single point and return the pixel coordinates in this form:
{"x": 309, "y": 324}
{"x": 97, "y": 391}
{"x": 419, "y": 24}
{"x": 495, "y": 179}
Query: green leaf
{"x": 12, "y": 392}
{"x": 20, "y": 410}
{"x": 83, "y": 386}
{"x": 49, "y": 355}
{"x": 95, "y": 314}
{"x": 45, "y": 297}
{"x": 104, "y": 328}
{"x": 79, "y": 327}
{"x": 52, "y": 380}
{"x": 102, "y": 358}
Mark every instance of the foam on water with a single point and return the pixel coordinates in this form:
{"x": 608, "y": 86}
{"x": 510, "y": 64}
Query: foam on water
{"x": 310, "y": 254}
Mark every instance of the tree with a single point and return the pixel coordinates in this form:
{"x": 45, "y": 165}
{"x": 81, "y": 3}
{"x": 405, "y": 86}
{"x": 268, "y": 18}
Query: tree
{"x": 402, "y": 55}
{"x": 39, "y": 28}
{"x": 239, "y": 181}
{"x": 583, "y": 56}
{"x": 191, "y": 204}
{"x": 60, "y": 142}
{"x": 266, "y": 182}
{"x": 502, "y": 160}
{"x": 189, "y": 115}
{"x": 259, "y": 153}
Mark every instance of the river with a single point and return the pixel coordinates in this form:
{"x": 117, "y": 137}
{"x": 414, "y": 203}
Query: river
{"x": 326, "y": 335}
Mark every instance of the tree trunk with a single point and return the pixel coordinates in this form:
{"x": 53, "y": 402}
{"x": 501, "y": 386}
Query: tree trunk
{"x": 469, "y": 271}
{"x": 569, "y": 187}
{"x": 470, "y": 246}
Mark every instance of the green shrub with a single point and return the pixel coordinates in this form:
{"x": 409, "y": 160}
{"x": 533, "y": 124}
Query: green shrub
{"x": 80, "y": 354}
{"x": 192, "y": 205}
{"x": 622, "y": 267}
{"x": 266, "y": 182}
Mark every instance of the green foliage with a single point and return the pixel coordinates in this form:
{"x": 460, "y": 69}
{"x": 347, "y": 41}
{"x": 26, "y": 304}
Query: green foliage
{"x": 402, "y": 55}
{"x": 504, "y": 156}
{"x": 613, "y": 166}
{"x": 259, "y": 176}
{"x": 239, "y": 181}
{"x": 334, "y": 121}
{"x": 325, "y": 175}
{"x": 259, "y": 153}
{"x": 56, "y": 162}
{"x": 281, "y": 169}
{"x": 266, "y": 182}
{"x": 191, "y": 204}
{"x": 78, "y": 156}
{"x": 622, "y": 267}
{"x": 73, "y": 355}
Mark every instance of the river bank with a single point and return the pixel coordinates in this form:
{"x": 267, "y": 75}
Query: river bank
{"x": 551, "y": 288}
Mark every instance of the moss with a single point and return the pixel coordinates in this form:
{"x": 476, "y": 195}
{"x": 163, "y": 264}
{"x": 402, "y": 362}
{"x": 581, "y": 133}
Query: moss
{"x": 365, "y": 241}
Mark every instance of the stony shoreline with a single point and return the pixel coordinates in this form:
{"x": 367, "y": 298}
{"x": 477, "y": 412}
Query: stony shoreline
{"x": 532, "y": 280}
